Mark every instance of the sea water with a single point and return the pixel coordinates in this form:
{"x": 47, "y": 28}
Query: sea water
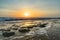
{"x": 51, "y": 34}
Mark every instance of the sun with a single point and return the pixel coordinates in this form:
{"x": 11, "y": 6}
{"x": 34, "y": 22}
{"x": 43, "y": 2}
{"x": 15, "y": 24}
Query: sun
{"x": 26, "y": 14}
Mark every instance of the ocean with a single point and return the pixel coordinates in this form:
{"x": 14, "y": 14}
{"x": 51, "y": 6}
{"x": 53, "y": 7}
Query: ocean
{"x": 52, "y": 33}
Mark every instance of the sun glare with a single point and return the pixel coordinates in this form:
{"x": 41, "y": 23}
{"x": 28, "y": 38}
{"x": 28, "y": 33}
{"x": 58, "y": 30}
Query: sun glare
{"x": 26, "y": 14}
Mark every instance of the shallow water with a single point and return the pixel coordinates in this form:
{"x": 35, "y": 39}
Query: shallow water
{"x": 52, "y": 33}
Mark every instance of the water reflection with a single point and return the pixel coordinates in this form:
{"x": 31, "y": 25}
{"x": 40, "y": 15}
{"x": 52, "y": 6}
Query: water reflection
{"x": 24, "y": 23}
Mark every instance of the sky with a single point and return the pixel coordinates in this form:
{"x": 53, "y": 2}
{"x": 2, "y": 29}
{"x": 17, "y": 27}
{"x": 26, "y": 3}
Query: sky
{"x": 38, "y": 8}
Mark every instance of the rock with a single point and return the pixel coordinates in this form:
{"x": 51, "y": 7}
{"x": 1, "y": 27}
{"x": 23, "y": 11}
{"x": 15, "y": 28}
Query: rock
{"x": 8, "y": 34}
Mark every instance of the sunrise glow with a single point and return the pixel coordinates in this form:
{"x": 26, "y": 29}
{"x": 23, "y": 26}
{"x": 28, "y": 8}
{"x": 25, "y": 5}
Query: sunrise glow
{"x": 26, "y": 14}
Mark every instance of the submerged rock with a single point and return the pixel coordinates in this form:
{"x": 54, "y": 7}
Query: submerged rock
{"x": 23, "y": 30}
{"x": 43, "y": 25}
{"x": 8, "y": 34}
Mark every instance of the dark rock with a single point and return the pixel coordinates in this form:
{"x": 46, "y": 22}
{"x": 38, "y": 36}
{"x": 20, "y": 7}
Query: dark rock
{"x": 8, "y": 34}
{"x": 43, "y": 25}
{"x": 24, "y": 30}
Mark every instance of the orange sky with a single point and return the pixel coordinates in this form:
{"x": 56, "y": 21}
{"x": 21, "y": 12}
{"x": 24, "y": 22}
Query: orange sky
{"x": 35, "y": 8}
{"x": 31, "y": 12}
